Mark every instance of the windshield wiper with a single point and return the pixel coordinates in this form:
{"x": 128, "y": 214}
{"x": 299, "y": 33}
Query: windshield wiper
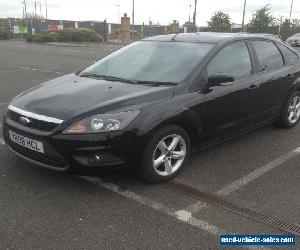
{"x": 109, "y": 78}
{"x": 157, "y": 83}
{"x": 114, "y": 78}
{"x": 90, "y": 75}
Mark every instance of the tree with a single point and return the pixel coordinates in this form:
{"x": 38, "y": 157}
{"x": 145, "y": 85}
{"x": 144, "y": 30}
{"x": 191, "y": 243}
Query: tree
{"x": 285, "y": 30}
{"x": 288, "y": 28}
{"x": 263, "y": 22}
{"x": 33, "y": 16}
{"x": 219, "y": 22}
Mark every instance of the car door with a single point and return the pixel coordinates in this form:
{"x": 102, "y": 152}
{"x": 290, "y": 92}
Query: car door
{"x": 274, "y": 74}
{"x": 228, "y": 107}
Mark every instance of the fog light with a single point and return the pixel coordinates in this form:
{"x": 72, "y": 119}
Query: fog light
{"x": 95, "y": 159}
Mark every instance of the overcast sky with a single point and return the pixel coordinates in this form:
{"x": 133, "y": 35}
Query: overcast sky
{"x": 162, "y": 11}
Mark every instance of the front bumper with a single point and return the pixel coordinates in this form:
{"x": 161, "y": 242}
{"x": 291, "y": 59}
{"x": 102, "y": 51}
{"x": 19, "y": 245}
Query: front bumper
{"x": 64, "y": 152}
{"x": 38, "y": 162}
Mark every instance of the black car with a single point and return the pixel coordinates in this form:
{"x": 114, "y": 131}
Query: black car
{"x": 154, "y": 102}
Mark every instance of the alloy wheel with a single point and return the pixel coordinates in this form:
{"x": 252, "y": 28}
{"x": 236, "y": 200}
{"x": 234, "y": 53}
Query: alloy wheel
{"x": 294, "y": 110}
{"x": 169, "y": 155}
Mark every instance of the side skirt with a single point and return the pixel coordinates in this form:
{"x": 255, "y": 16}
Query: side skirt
{"x": 232, "y": 135}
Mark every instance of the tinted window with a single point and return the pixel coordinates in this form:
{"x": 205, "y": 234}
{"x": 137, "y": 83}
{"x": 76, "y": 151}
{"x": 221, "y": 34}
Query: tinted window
{"x": 152, "y": 61}
{"x": 268, "y": 55}
{"x": 233, "y": 60}
{"x": 289, "y": 53}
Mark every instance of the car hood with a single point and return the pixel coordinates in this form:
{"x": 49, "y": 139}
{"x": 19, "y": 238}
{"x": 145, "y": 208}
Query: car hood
{"x": 70, "y": 96}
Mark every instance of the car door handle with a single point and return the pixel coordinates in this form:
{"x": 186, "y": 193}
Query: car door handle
{"x": 253, "y": 87}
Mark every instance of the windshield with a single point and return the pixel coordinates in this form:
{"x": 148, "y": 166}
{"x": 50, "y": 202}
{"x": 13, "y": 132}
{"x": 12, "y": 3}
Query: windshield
{"x": 151, "y": 62}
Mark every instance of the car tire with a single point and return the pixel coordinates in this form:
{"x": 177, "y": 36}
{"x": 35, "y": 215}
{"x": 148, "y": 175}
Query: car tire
{"x": 165, "y": 155}
{"x": 290, "y": 114}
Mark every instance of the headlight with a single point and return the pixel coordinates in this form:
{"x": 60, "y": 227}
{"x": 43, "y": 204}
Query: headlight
{"x": 102, "y": 123}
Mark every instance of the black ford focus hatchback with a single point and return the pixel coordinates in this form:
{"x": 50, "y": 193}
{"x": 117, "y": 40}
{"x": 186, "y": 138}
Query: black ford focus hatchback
{"x": 154, "y": 102}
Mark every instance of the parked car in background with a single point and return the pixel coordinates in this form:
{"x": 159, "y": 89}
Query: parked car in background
{"x": 294, "y": 40}
{"x": 154, "y": 102}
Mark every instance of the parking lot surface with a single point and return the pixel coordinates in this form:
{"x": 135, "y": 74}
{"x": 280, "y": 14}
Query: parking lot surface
{"x": 42, "y": 209}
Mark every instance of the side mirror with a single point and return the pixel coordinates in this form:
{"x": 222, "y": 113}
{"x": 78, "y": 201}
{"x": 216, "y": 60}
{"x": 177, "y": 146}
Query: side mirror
{"x": 220, "y": 80}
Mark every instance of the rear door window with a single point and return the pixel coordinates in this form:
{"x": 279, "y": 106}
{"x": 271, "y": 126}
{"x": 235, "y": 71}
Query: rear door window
{"x": 269, "y": 56}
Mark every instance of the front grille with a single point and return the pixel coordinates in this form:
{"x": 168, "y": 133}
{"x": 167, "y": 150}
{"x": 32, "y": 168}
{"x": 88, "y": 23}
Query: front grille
{"x": 34, "y": 123}
{"x": 106, "y": 159}
{"x": 39, "y": 157}
{"x": 110, "y": 159}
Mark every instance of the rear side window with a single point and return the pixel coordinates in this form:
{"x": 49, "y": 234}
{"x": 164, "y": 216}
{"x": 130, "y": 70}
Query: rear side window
{"x": 233, "y": 60}
{"x": 289, "y": 53}
{"x": 268, "y": 55}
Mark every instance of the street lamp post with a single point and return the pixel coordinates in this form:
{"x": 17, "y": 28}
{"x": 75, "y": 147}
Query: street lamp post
{"x": 244, "y": 12}
{"x": 195, "y": 14}
{"x": 35, "y": 8}
{"x": 133, "y": 20}
{"x": 291, "y": 10}
{"x": 25, "y": 9}
{"x": 46, "y": 9}
{"x": 40, "y": 9}
{"x": 118, "y": 13}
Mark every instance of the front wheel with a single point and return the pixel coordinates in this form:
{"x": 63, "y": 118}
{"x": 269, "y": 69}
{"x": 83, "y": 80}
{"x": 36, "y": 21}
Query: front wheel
{"x": 290, "y": 114}
{"x": 165, "y": 154}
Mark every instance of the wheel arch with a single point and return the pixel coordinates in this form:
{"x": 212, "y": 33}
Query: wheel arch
{"x": 295, "y": 87}
{"x": 188, "y": 121}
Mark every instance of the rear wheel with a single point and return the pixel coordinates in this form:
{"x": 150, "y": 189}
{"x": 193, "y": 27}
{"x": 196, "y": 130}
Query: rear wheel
{"x": 290, "y": 114}
{"x": 165, "y": 154}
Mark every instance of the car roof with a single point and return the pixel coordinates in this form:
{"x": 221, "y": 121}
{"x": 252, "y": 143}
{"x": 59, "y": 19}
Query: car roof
{"x": 204, "y": 37}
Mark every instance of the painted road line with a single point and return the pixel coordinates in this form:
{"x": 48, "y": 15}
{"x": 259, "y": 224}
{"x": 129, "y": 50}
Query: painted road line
{"x": 236, "y": 185}
{"x": 235, "y": 208}
{"x": 25, "y": 82}
{"x": 3, "y": 103}
{"x": 257, "y": 173}
{"x": 196, "y": 207}
{"x": 41, "y": 70}
{"x": 11, "y": 70}
{"x": 2, "y": 142}
{"x": 181, "y": 215}
{"x": 108, "y": 49}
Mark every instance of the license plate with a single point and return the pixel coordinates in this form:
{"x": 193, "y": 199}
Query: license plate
{"x": 26, "y": 142}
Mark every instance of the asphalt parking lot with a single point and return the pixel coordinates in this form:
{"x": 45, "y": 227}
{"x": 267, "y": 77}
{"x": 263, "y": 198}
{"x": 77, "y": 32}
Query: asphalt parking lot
{"x": 42, "y": 209}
